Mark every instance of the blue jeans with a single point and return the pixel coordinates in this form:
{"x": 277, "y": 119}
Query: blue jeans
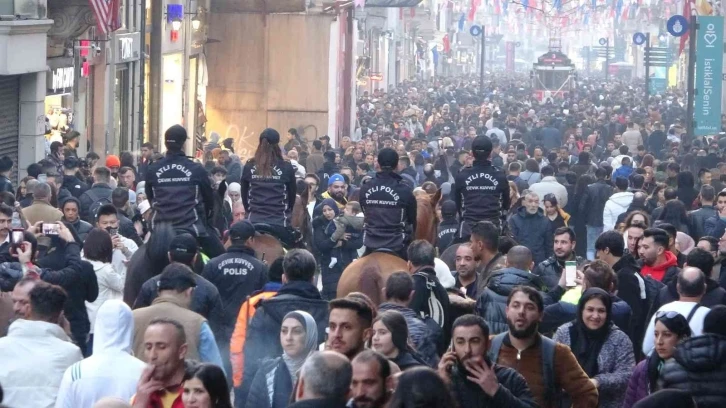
{"x": 592, "y": 234}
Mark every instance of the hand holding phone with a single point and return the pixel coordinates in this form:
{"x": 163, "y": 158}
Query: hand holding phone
{"x": 570, "y": 274}
{"x": 48, "y": 228}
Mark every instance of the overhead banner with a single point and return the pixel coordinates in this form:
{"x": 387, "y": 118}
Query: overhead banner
{"x": 509, "y": 47}
{"x": 709, "y": 66}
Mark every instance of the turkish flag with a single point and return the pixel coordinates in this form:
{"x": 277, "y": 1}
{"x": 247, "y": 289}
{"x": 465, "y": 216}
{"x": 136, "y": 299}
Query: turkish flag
{"x": 686, "y": 14}
{"x": 447, "y": 44}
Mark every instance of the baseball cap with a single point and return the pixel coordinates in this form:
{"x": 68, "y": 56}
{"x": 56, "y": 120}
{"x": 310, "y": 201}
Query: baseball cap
{"x": 335, "y": 177}
{"x": 183, "y": 244}
{"x": 241, "y": 231}
{"x": 176, "y": 134}
{"x": 482, "y": 143}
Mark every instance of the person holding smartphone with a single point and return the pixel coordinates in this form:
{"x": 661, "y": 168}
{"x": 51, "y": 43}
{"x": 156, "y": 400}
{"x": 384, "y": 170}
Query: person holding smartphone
{"x": 474, "y": 380}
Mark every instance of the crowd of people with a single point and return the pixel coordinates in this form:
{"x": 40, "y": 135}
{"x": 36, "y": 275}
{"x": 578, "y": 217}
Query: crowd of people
{"x": 575, "y": 260}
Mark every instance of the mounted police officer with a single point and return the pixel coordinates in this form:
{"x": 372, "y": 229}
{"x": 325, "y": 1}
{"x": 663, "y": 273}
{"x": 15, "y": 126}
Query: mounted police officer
{"x": 181, "y": 194}
{"x": 389, "y": 207}
{"x": 268, "y": 190}
{"x": 481, "y": 191}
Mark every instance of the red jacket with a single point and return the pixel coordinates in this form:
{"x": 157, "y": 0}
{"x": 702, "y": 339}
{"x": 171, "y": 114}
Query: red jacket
{"x": 658, "y": 272}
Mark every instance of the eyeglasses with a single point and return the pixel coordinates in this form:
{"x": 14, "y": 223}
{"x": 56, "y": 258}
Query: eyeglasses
{"x": 667, "y": 315}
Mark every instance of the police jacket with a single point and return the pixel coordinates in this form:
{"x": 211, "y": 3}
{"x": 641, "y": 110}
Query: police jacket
{"x": 74, "y": 185}
{"x": 324, "y": 174}
{"x": 237, "y": 274}
{"x": 389, "y": 206}
{"x": 481, "y": 191}
{"x": 180, "y": 193}
{"x": 445, "y": 234}
{"x": 269, "y": 199}
{"x": 550, "y": 270}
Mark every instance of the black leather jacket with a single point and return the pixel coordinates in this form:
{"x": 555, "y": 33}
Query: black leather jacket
{"x": 550, "y": 270}
{"x": 593, "y": 202}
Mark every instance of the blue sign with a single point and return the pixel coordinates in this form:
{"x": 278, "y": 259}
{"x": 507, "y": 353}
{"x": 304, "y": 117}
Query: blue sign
{"x": 709, "y": 66}
{"x": 603, "y": 41}
{"x": 475, "y": 30}
{"x": 638, "y": 38}
{"x": 677, "y": 25}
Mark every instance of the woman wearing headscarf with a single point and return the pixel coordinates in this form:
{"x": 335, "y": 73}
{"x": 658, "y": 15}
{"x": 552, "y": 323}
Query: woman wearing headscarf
{"x": 603, "y": 351}
{"x": 670, "y": 329}
{"x": 274, "y": 381}
{"x": 335, "y": 254}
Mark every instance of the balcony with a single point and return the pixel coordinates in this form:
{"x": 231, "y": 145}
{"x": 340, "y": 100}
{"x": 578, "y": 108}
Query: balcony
{"x": 23, "y": 10}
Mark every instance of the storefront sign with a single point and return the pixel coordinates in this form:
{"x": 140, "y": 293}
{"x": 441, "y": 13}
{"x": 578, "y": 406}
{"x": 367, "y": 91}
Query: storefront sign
{"x": 709, "y": 66}
{"x": 60, "y": 81}
{"x": 128, "y": 47}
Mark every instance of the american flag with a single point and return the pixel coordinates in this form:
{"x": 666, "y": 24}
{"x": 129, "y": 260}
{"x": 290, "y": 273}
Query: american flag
{"x": 107, "y": 14}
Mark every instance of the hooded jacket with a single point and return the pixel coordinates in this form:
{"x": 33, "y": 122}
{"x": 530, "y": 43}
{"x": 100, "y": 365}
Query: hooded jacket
{"x": 34, "y": 355}
{"x": 661, "y": 272}
{"x": 616, "y": 205}
{"x": 492, "y": 302}
{"x": 390, "y": 210}
{"x": 234, "y": 169}
{"x": 82, "y": 228}
{"x": 237, "y": 274}
{"x": 263, "y": 330}
{"x": 699, "y": 367}
{"x": 534, "y": 232}
{"x": 89, "y": 380}
{"x": 110, "y": 286}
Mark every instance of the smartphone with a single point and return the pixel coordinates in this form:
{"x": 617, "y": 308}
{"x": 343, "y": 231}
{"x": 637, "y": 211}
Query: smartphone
{"x": 49, "y": 228}
{"x": 113, "y": 231}
{"x": 263, "y": 257}
{"x": 570, "y": 273}
{"x": 16, "y": 238}
{"x": 42, "y": 178}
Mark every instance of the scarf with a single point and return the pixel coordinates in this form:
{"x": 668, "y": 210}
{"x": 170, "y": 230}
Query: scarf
{"x": 294, "y": 364}
{"x": 586, "y": 343}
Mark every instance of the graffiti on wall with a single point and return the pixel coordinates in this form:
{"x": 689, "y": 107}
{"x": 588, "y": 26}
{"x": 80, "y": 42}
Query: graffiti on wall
{"x": 245, "y": 140}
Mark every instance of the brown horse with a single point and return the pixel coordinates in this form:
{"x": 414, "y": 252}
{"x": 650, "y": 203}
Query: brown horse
{"x": 369, "y": 274}
{"x": 268, "y": 248}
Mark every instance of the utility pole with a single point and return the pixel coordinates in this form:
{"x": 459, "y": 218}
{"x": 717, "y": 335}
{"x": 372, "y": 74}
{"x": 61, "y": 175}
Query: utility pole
{"x": 483, "y": 54}
{"x": 155, "y": 67}
{"x": 692, "y": 32}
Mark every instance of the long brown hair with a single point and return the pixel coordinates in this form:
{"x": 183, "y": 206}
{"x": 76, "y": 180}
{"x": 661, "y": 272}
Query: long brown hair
{"x": 266, "y": 156}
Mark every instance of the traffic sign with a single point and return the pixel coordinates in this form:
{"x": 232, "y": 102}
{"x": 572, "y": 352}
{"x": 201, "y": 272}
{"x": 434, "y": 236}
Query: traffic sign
{"x": 677, "y": 25}
{"x": 603, "y": 41}
{"x": 475, "y": 30}
{"x": 658, "y": 56}
{"x": 638, "y": 38}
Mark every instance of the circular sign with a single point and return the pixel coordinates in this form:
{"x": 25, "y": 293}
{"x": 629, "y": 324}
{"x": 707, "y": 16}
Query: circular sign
{"x": 638, "y": 38}
{"x": 518, "y": 44}
{"x": 603, "y": 41}
{"x": 677, "y": 25}
{"x": 475, "y": 30}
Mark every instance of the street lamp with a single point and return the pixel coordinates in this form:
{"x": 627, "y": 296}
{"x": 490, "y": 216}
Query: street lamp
{"x": 196, "y": 23}
{"x": 176, "y": 24}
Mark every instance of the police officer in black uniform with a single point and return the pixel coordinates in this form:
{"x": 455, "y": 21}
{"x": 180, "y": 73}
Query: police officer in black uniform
{"x": 268, "y": 190}
{"x": 181, "y": 194}
{"x": 237, "y": 274}
{"x": 389, "y": 207}
{"x": 481, "y": 191}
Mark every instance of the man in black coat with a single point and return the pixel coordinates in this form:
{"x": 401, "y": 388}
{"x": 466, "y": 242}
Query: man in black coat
{"x": 297, "y": 293}
{"x": 531, "y": 228}
{"x": 475, "y": 381}
{"x": 6, "y": 165}
{"x": 71, "y": 182}
{"x": 99, "y": 193}
{"x": 430, "y": 298}
{"x": 551, "y": 269}
{"x": 593, "y": 204}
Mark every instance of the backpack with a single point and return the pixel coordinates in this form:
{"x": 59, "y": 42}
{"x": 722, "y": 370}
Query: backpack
{"x": 96, "y": 203}
{"x": 436, "y": 309}
{"x": 552, "y": 395}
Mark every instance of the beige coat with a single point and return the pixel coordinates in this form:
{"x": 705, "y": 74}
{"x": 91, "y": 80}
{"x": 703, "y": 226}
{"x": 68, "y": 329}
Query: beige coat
{"x": 41, "y": 211}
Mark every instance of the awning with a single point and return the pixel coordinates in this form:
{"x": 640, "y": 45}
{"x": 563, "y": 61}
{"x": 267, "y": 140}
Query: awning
{"x": 392, "y": 3}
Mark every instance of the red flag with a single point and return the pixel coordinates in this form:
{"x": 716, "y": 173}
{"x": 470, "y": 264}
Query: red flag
{"x": 472, "y": 11}
{"x": 107, "y": 15}
{"x": 447, "y": 44}
{"x": 686, "y": 14}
